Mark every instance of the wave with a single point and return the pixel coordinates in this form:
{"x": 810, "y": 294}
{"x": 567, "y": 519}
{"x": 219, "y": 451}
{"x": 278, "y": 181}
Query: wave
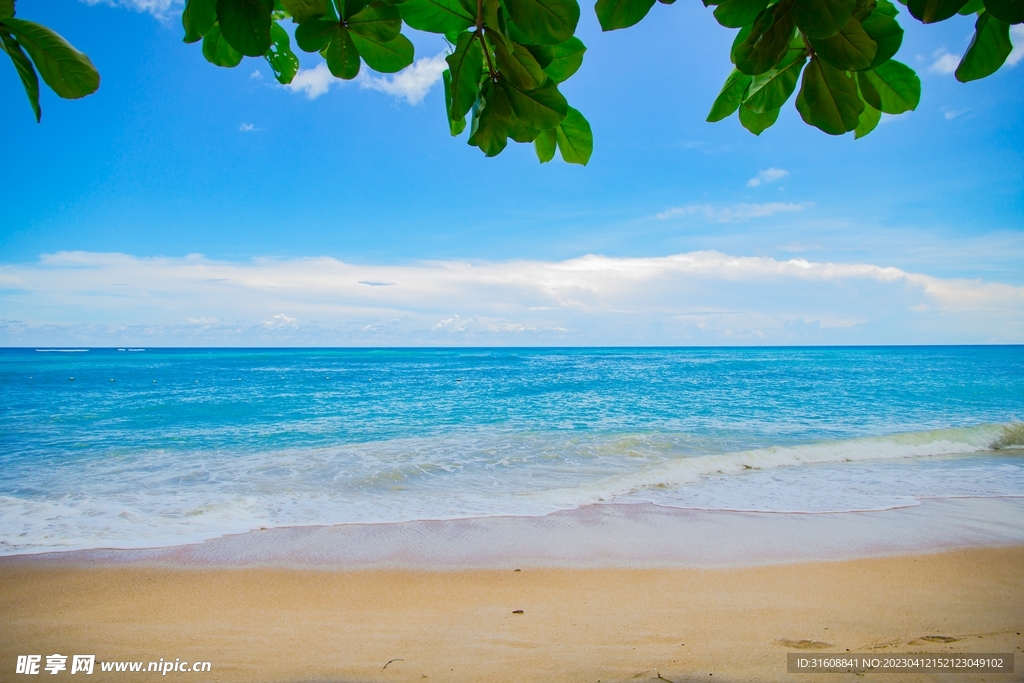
{"x": 153, "y": 498}
{"x": 689, "y": 470}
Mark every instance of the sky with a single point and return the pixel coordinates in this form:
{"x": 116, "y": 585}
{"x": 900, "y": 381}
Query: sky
{"x": 189, "y": 205}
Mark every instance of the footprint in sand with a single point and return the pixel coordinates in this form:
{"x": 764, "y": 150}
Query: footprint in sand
{"x": 802, "y": 644}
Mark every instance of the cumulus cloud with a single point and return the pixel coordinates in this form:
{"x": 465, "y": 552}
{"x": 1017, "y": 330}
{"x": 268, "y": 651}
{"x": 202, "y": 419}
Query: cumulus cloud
{"x": 737, "y": 212}
{"x": 1017, "y": 37}
{"x": 412, "y": 83}
{"x": 945, "y": 63}
{"x": 702, "y": 297}
{"x": 767, "y": 176}
{"x": 314, "y": 82}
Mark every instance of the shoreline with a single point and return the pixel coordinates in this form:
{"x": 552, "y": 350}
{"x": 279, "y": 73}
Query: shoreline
{"x": 606, "y": 535}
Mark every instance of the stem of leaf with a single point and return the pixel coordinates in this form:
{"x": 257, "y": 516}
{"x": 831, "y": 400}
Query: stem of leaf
{"x": 487, "y": 55}
{"x": 807, "y": 44}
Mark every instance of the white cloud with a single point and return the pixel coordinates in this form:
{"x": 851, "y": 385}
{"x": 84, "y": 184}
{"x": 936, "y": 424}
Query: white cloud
{"x": 767, "y": 176}
{"x": 945, "y": 63}
{"x": 737, "y": 212}
{"x": 701, "y": 297}
{"x": 247, "y": 128}
{"x": 951, "y": 114}
{"x": 412, "y": 83}
{"x": 314, "y": 82}
{"x": 1017, "y": 37}
{"x": 158, "y": 8}
{"x": 280, "y": 321}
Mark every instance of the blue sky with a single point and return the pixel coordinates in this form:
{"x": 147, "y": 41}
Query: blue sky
{"x": 175, "y": 162}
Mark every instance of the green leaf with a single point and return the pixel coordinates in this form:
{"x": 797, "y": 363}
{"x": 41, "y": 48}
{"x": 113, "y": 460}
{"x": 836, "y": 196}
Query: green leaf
{"x": 738, "y": 13}
{"x": 575, "y": 138}
{"x": 756, "y": 122}
{"x": 350, "y": 8}
{"x": 887, "y": 8}
{"x": 541, "y": 108}
{"x": 729, "y": 99}
{"x": 455, "y": 126}
{"x": 26, "y": 71}
{"x": 245, "y": 24}
{"x": 341, "y": 55}
{"x": 386, "y": 57}
{"x": 770, "y": 90}
{"x": 492, "y": 120}
{"x": 217, "y": 51}
{"x": 198, "y": 18}
{"x": 68, "y": 72}
{"x": 545, "y": 22}
{"x": 892, "y": 88}
{"x": 887, "y": 34}
{"x": 867, "y": 122}
{"x": 615, "y": 14}
{"x": 766, "y": 42}
{"x": 282, "y": 60}
{"x": 436, "y": 16}
{"x": 466, "y": 65}
{"x": 517, "y": 64}
{"x": 314, "y": 35}
{"x": 822, "y": 18}
{"x": 7, "y": 10}
{"x": 566, "y": 59}
{"x": 1010, "y": 11}
{"x": 989, "y": 49}
{"x": 494, "y": 17}
{"x": 520, "y": 132}
{"x": 828, "y": 98}
{"x": 850, "y": 49}
{"x": 932, "y": 11}
{"x": 303, "y": 10}
{"x": 377, "y": 21}
{"x": 972, "y": 7}
{"x": 544, "y": 145}
{"x": 864, "y": 9}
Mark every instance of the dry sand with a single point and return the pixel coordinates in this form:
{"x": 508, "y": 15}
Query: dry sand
{"x": 603, "y": 624}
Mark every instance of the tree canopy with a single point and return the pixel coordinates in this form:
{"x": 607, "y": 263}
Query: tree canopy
{"x": 508, "y": 57}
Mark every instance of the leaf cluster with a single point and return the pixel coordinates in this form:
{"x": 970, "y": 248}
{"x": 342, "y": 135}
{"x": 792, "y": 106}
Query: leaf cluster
{"x": 840, "y": 53}
{"x": 37, "y": 51}
{"x": 503, "y": 75}
{"x": 509, "y": 57}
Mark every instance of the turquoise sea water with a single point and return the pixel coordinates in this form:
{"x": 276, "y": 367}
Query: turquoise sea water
{"x": 133, "y": 448}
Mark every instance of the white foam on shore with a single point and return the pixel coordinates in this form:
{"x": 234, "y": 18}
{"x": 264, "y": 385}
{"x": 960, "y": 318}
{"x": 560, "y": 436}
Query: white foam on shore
{"x": 636, "y": 536}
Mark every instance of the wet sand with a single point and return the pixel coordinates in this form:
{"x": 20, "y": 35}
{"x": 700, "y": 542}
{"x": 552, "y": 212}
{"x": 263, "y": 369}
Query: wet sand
{"x": 266, "y": 623}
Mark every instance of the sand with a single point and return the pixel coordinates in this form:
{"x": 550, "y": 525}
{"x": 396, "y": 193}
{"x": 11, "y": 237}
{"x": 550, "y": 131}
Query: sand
{"x": 600, "y": 624}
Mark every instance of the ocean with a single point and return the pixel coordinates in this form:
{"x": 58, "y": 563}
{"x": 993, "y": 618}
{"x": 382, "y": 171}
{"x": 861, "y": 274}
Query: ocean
{"x": 137, "y": 448}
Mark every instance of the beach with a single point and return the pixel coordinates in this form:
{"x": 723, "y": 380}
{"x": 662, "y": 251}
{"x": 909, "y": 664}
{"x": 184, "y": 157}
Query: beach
{"x": 290, "y": 516}
{"x": 339, "y": 604}
{"x": 737, "y": 624}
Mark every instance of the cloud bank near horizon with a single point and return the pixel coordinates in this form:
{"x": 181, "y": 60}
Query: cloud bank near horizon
{"x": 703, "y": 297}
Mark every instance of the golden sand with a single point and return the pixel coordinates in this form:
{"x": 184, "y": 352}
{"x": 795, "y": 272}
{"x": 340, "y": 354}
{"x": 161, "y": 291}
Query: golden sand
{"x": 576, "y": 624}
